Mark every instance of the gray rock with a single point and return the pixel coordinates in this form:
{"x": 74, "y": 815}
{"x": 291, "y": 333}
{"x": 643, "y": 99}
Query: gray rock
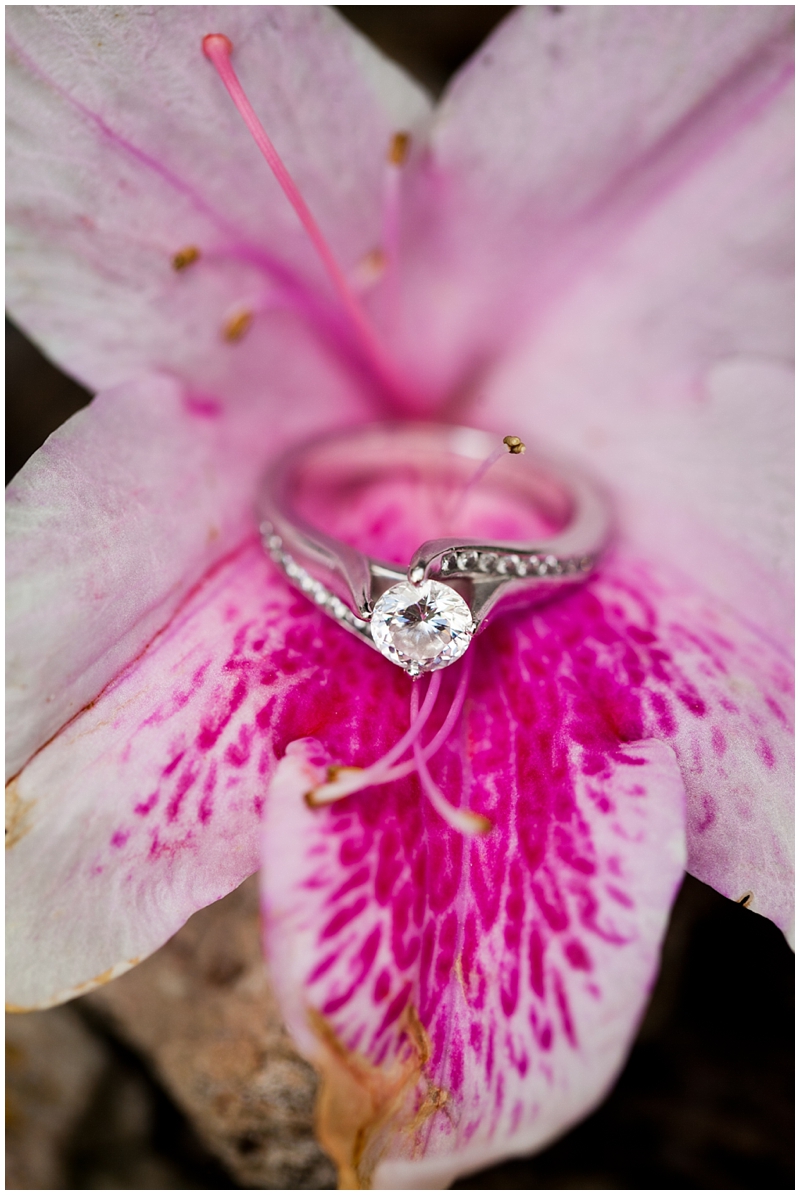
{"x": 202, "y": 1013}
{"x": 53, "y": 1064}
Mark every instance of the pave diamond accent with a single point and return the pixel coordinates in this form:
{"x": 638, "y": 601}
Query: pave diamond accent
{"x": 421, "y": 627}
{"x": 424, "y": 626}
{"x": 319, "y": 593}
{"x": 511, "y": 565}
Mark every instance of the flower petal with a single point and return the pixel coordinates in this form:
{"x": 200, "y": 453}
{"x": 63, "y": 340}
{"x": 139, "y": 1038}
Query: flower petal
{"x": 124, "y": 150}
{"x": 468, "y": 999}
{"x": 465, "y": 999}
{"x": 122, "y": 511}
{"x": 720, "y": 692}
{"x": 566, "y": 129}
{"x": 668, "y": 369}
{"x": 146, "y": 806}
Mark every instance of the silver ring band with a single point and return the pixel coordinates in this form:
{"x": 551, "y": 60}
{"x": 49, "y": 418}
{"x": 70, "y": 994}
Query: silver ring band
{"x": 353, "y": 588}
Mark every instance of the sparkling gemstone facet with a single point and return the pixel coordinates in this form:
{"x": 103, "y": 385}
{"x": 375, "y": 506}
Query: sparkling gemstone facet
{"x": 421, "y": 627}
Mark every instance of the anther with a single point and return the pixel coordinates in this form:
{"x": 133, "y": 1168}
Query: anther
{"x": 235, "y": 328}
{"x": 185, "y": 257}
{"x": 746, "y": 900}
{"x": 398, "y": 148}
{"x": 514, "y": 445}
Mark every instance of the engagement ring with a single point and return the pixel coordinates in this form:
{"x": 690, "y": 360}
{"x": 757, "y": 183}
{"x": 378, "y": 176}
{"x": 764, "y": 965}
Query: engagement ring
{"x": 422, "y": 614}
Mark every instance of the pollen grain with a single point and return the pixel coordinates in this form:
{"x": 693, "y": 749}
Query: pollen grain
{"x": 398, "y": 148}
{"x": 185, "y": 257}
{"x": 237, "y": 326}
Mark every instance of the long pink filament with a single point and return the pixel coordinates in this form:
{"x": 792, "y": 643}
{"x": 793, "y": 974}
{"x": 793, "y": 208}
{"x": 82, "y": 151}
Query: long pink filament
{"x": 462, "y": 820}
{"x": 217, "y": 48}
{"x": 444, "y": 731}
{"x": 461, "y": 495}
{"x": 351, "y": 780}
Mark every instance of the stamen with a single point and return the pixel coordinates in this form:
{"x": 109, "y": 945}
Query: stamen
{"x": 345, "y": 781}
{"x": 511, "y": 444}
{"x": 185, "y": 257}
{"x": 349, "y": 780}
{"x": 235, "y": 328}
{"x": 463, "y": 820}
{"x": 217, "y": 48}
{"x": 444, "y": 731}
{"x": 398, "y": 152}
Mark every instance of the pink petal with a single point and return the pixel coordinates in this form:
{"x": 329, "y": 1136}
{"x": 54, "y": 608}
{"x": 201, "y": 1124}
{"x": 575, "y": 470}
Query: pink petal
{"x": 467, "y": 1000}
{"x": 660, "y": 309}
{"x": 663, "y": 362}
{"x": 526, "y": 956}
{"x": 146, "y": 806}
{"x": 561, "y": 134}
{"x": 124, "y": 149}
{"x": 121, "y": 512}
{"x": 720, "y": 692}
{"x": 668, "y": 369}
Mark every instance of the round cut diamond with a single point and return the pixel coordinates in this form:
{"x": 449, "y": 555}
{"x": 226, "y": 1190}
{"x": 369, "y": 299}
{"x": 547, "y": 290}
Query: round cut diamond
{"x": 421, "y": 627}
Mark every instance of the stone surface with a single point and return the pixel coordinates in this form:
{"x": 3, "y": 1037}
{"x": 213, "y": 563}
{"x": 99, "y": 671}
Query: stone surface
{"x": 53, "y": 1064}
{"x": 202, "y": 1012}
{"x": 421, "y": 627}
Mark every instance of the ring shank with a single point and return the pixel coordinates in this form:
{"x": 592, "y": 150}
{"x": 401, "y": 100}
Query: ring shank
{"x": 560, "y": 497}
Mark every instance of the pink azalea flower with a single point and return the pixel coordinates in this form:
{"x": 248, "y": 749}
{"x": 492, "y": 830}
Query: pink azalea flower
{"x": 587, "y": 244}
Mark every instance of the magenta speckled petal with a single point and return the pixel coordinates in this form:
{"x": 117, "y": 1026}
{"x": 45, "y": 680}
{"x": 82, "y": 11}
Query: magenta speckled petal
{"x": 146, "y": 806}
{"x": 468, "y": 999}
{"x": 481, "y": 993}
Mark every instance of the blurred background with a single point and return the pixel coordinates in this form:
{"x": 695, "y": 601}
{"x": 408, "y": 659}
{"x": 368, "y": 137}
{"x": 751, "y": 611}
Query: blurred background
{"x": 96, "y": 1100}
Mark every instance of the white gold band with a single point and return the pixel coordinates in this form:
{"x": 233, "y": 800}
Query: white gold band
{"x": 348, "y": 584}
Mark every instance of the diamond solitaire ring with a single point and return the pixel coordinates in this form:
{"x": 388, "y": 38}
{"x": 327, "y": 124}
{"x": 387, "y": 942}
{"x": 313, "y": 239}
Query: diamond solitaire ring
{"x": 539, "y": 526}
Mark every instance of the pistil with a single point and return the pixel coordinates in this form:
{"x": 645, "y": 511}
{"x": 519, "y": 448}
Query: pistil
{"x": 218, "y": 48}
